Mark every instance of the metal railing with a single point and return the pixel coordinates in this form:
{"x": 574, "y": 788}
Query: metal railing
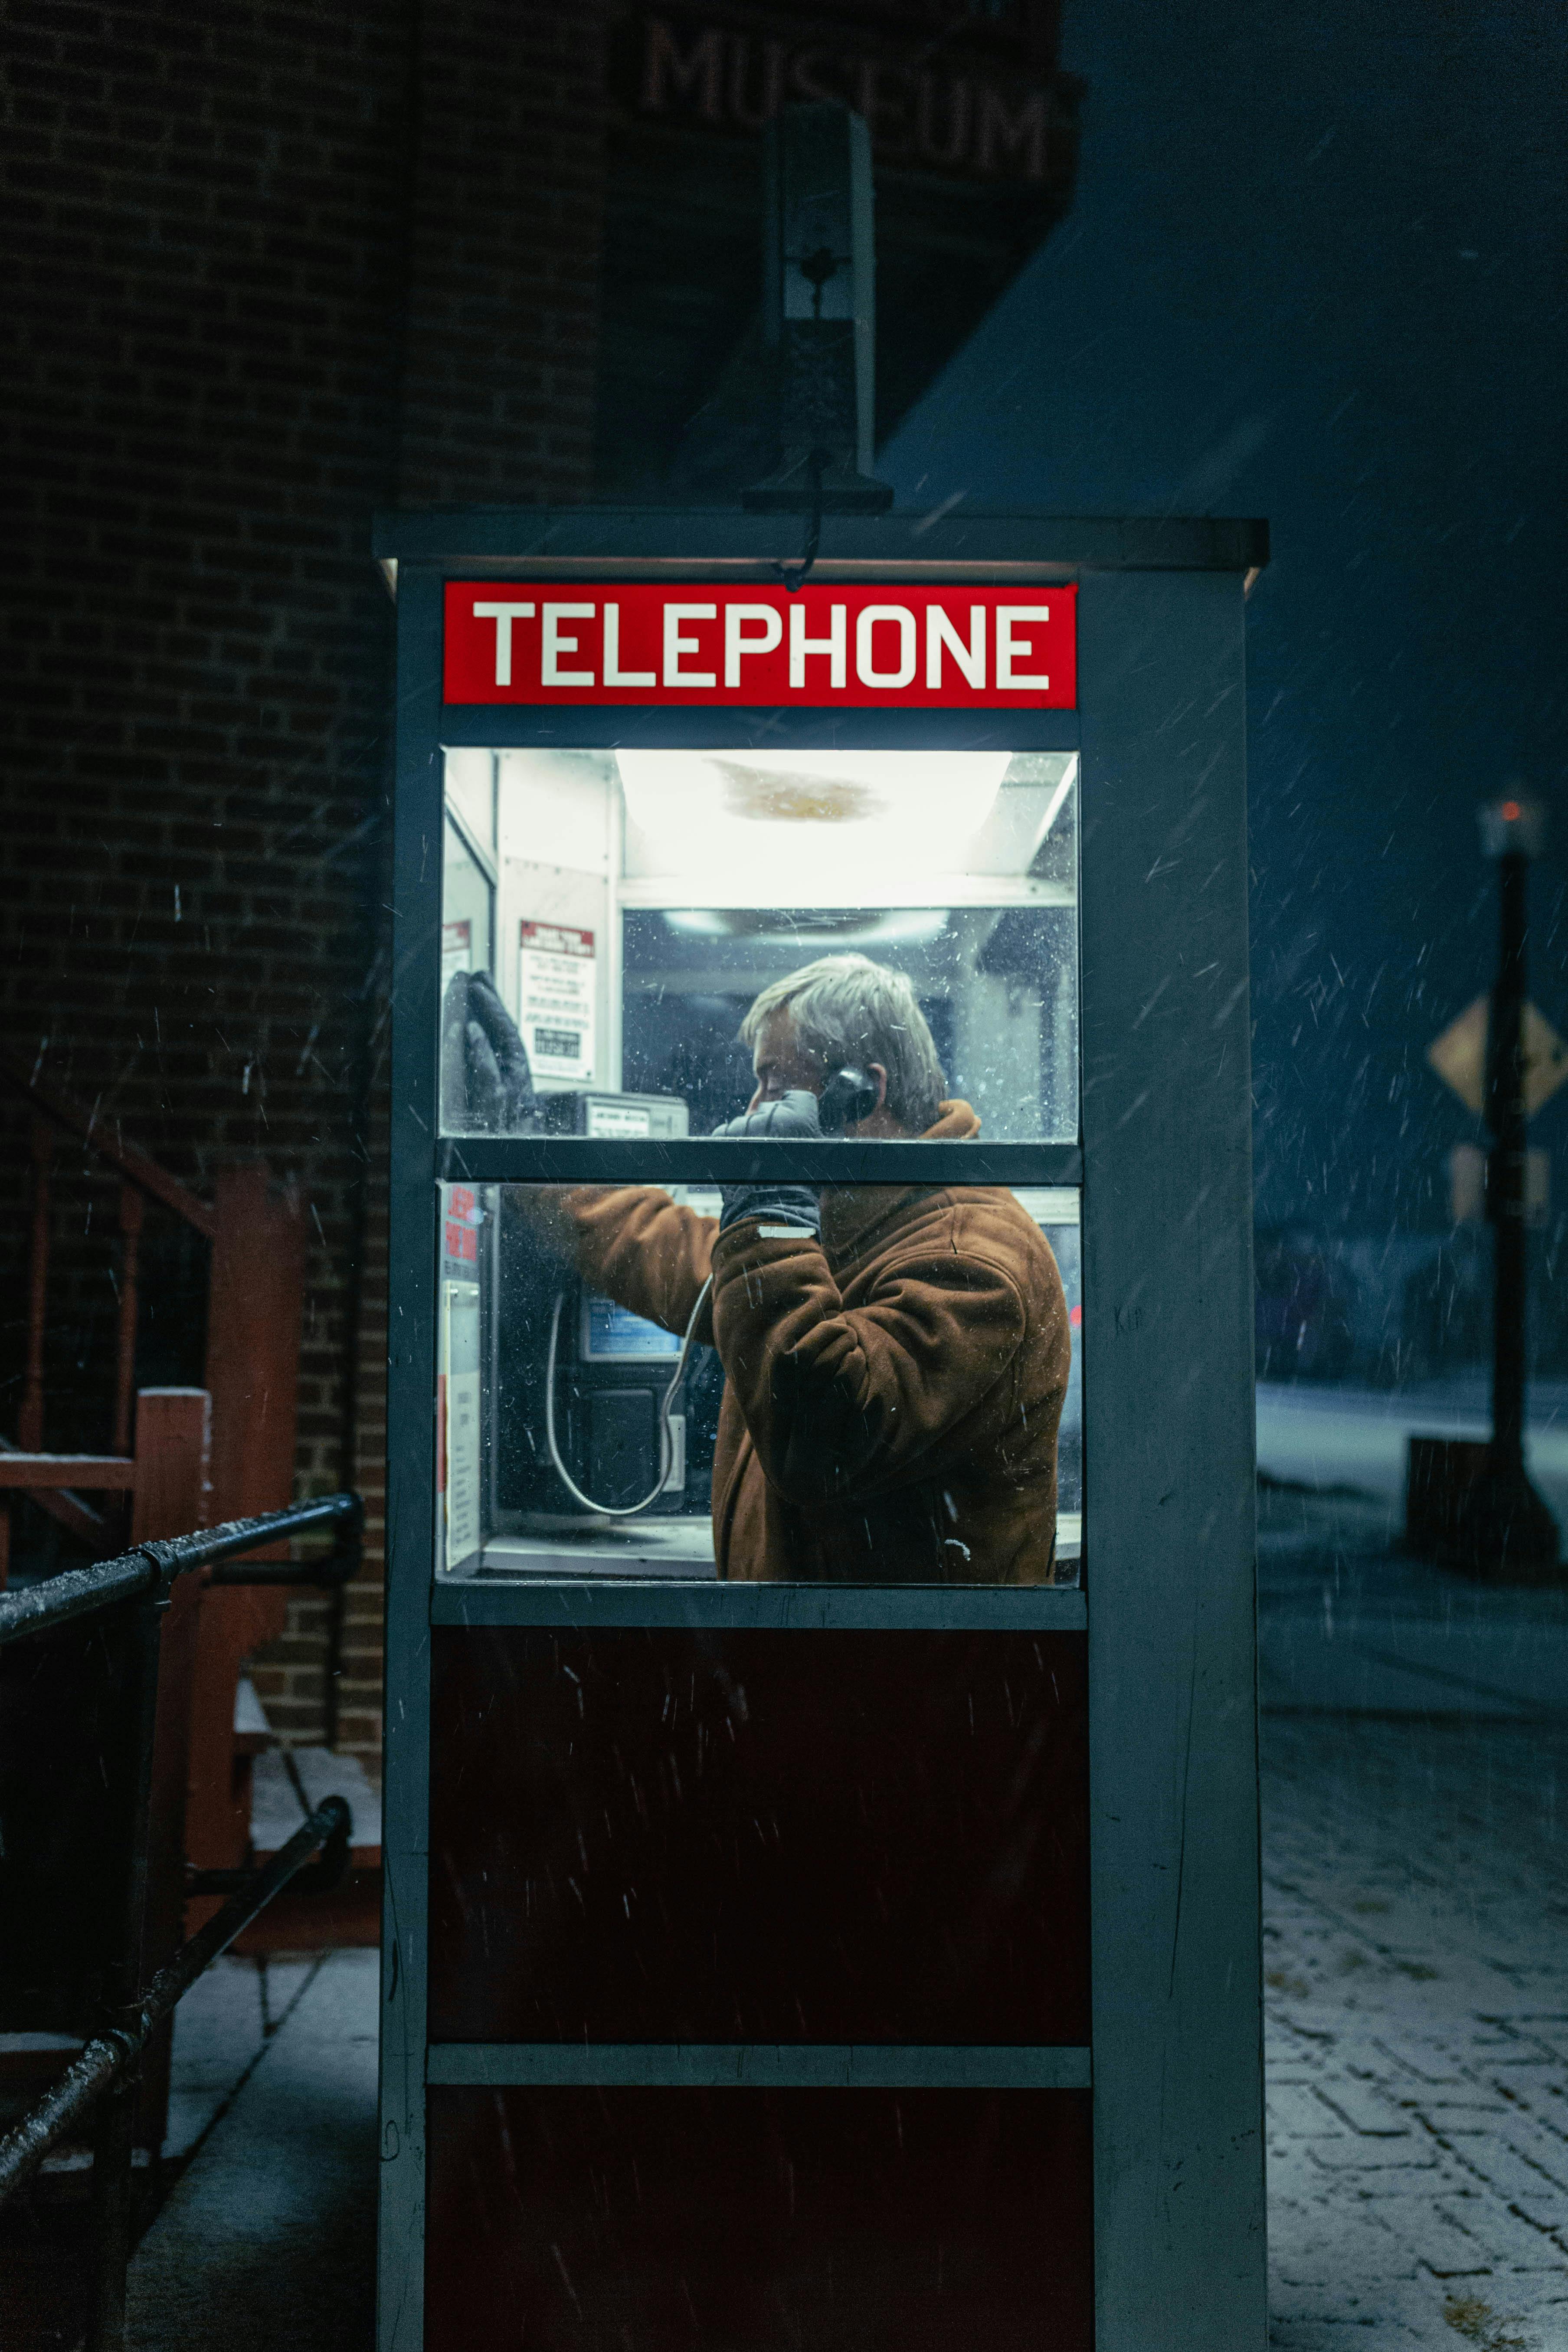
{"x": 104, "y": 2075}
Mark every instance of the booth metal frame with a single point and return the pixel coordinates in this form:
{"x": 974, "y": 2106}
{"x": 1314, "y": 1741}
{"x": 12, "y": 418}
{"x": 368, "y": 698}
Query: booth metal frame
{"x": 1164, "y": 1163}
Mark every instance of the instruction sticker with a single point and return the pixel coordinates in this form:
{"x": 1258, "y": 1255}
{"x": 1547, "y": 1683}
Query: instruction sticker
{"x": 620, "y": 1118}
{"x": 460, "y": 1420}
{"x": 557, "y": 985}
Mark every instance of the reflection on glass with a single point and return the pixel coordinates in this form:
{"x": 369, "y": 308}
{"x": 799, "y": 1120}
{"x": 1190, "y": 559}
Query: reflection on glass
{"x": 470, "y": 778}
{"x": 630, "y": 908}
{"x": 467, "y": 901}
{"x": 642, "y": 1383}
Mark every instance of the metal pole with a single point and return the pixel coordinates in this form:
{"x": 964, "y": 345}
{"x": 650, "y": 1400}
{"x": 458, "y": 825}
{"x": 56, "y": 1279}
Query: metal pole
{"x": 138, "y": 1586}
{"x": 81, "y": 1591}
{"x": 1507, "y": 1117}
{"x": 24, "y": 2146}
{"x": 1504, "y": 1530}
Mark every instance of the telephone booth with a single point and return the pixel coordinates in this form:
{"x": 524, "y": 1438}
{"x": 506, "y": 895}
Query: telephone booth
{"x": 844, "y": 1943}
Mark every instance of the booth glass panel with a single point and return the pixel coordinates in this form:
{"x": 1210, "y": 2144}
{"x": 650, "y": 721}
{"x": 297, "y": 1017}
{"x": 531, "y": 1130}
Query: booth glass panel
{"x": 643, "y": 899}
{"x": 584, "y": 1428}
{"x": 467, "y": 908}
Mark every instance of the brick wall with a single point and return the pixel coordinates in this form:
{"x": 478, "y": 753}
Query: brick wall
{"x": 275, "y": 265}
{"x": 503, "y": 282}
{"x": 498, "y": 378}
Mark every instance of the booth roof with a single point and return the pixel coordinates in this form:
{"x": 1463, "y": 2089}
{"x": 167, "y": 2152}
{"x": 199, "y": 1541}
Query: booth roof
{"x": 615, "y": 538}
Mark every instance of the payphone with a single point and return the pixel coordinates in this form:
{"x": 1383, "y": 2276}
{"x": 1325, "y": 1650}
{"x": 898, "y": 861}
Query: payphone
{"x": 627, "y": 1409}
{"x": 601, "y": 1415}
{"x": 514, "y": 1462}
{"x": 778, "y": 1950}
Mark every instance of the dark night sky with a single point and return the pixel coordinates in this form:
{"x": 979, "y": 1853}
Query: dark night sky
{"x": 1316, "y": 271}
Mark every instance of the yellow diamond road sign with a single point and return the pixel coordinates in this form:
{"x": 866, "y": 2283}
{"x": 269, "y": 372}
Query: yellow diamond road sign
{"x": 1459, "y": 1056}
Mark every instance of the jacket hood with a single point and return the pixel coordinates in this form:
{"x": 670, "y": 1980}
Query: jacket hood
{"x": 850, "y": 1213}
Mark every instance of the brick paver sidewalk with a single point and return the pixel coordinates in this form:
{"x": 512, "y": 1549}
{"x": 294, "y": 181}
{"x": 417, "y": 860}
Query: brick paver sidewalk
{"x": 1416, "y": 1959}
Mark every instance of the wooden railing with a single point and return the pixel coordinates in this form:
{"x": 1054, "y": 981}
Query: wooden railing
{"x": 54, "y": 1112}
{"x": 255, "y": 1235}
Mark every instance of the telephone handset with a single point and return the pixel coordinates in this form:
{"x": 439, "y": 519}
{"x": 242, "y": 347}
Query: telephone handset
{"x": 849, "y": 1097}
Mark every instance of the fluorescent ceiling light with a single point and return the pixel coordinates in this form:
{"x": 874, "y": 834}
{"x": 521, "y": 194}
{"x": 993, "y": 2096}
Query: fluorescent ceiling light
{"x": 906, "y": 923}
{"x": 770, "y": 927}
{"x": 698, "y": 922}
{"x": 791, "y": 814}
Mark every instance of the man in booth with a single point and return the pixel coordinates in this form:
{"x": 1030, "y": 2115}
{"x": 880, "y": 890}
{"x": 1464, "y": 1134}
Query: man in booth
{"x": 895, "y": 1356}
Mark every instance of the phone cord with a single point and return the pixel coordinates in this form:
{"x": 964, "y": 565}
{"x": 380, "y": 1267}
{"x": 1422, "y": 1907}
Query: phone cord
{"x": 618, "y": 1510}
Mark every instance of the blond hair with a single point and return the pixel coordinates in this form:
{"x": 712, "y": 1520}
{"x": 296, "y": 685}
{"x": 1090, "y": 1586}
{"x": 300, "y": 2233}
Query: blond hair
{"x": 849, "y": 1011}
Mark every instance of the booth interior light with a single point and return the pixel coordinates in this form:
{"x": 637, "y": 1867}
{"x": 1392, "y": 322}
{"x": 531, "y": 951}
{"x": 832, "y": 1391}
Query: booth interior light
{"x": 796, "y": 815}
{"x": 771, "y": 926}
{"x": 698, "y": 922}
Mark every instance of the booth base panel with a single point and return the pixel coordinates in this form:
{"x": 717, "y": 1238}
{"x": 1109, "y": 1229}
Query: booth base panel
{"x": 672, "y": 1835}
{"x": 834, "y": 2221}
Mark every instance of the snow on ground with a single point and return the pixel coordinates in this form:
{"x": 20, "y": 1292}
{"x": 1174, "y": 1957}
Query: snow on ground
{"x": 1331, "y": 1436}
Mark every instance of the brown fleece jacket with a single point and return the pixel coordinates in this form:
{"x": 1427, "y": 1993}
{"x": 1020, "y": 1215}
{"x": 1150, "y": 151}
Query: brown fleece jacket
{"x": 891, "y": 1394}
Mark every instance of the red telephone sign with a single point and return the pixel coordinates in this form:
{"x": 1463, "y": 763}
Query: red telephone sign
{"x": 822, "y": 647}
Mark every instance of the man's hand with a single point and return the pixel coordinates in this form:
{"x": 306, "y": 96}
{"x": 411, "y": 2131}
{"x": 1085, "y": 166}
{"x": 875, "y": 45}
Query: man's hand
{"x": 791, "y": 1117}
{"x": 486, "y": 1086}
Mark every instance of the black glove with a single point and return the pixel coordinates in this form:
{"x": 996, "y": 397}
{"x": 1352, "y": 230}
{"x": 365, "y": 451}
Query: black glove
{"x": 486, "y": 1086}
{"x": 791, "y": 1119}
